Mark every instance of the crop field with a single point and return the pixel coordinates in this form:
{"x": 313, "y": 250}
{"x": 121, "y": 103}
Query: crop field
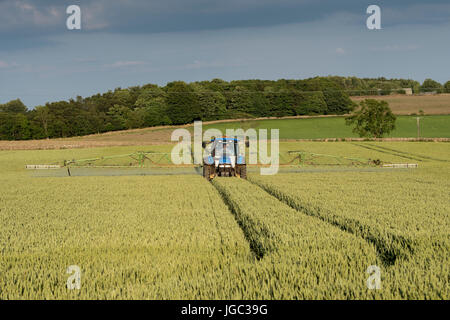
{"x": 405, "y": 217}
{"x": 412, "y": 104}
{"x": 298, "y": 235}
{"x": 433, "y": 154}
{"x": 128, "y": 239}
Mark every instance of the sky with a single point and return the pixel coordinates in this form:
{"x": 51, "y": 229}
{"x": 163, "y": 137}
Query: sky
{"x": 124, "y": 43}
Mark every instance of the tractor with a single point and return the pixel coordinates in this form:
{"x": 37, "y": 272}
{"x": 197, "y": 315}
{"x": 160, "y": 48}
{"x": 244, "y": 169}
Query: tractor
{"x": 223, "y": 158}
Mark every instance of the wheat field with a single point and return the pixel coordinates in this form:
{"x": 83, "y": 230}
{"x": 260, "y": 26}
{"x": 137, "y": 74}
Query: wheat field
{"x": 304, "y": 235}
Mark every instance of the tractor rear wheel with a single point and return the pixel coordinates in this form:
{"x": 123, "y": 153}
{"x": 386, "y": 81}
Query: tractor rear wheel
{"x": 207, "y": 172}
{"x": 211, "y": 172}
{"x": 243, "y": 171}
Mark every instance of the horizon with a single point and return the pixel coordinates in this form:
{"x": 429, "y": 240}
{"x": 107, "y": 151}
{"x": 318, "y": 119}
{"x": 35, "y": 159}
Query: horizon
{"x": 164, "y": 85}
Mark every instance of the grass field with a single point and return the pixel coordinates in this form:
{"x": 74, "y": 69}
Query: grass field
{"x": 334, "y": 127}
{"x": 305, "y": 235}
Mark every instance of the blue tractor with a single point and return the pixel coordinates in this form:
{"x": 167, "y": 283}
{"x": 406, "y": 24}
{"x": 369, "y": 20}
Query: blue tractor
{"x": 224, "y": 158}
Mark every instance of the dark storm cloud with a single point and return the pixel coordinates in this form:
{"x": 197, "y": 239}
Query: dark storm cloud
{"x": 43, "y": 17}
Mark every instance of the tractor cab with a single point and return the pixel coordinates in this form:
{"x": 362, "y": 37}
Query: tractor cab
{"x": 224, "y": 157}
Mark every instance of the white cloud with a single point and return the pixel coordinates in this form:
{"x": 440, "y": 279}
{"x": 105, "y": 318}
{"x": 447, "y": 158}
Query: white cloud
{"x": 25, "y": 6}
{"x": 4, "y": 64}
{"x": 340, "y": 51}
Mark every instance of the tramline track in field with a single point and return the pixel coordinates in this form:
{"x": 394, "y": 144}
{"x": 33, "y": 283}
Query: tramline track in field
{"x": 396, "y": 152}
{"x": 280, "y": 235}
{"x": 391, "y": 152}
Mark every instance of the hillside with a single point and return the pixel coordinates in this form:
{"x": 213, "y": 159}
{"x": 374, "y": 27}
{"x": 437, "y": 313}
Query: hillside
{"x": 435, "y": 124}
{"x": 179, "y": 103}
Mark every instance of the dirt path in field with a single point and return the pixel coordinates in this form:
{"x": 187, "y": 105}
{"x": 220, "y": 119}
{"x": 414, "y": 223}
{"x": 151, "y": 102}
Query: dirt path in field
{"x": 151, "y": 137}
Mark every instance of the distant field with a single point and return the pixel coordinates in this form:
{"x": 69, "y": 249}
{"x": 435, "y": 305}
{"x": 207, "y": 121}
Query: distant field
{"x": 403, "y": 104}
{"x": 437, "y": 126}
{"x": 318, "y": 128}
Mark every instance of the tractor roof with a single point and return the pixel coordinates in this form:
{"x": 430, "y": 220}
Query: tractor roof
{"x": 224, "y": 138}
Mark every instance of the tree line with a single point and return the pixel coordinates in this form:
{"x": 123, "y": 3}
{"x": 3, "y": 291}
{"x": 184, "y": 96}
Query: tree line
{"x": 180, "y": 103}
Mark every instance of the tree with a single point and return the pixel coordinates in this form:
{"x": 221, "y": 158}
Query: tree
{"x": 14, "y": 106}
{"x": 313, "y": 103}
{"x": 122, "y": 97}
{"x": 182, "y": 103}
{"x": 429, "y": 85}
{"x": 156, "y": 113}
{"x": 240, "y": 101}
{"x": 213, "y": 104}
{"x": 447, "y": 87}
{"x": 43, "y": 115}
{"x": 387, "y": 88}
{"x": 119, "y": 116}
{"x": 153, "y": 100}
{"x": 14, "y": 126}
{"x": 334, "y": 94}
{"x": 373, "y": 119}
{"x": 135, "y": 118}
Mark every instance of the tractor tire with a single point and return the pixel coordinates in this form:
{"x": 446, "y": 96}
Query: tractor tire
{"x": 243, "y": 171}
{"x": 211, "y": 171}
{"x": 207, "y": 172}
